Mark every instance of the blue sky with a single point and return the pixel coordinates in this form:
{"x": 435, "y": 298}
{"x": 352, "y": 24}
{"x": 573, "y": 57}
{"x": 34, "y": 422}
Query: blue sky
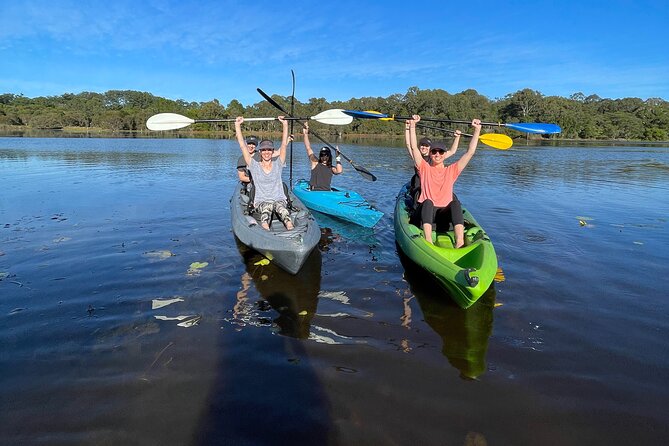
{"x": 204, "y": 50}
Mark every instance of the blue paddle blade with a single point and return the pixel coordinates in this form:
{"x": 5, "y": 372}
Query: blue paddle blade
{"x": 534, "y": 127}
{"x": 366, "y": 114}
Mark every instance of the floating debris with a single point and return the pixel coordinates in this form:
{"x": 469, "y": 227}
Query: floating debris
{"x": 160, "y": 303}
{"x": 187, "y": 320}
{"x": 196, "y": 268}
{"x": 190, "y": 322}
{"x": 159, "y": 255}
{"x": 499, "y": 276}
{"x": 339, "y": 296}
{"x": 172, "y": 318}
{"x": 262, "y": 262}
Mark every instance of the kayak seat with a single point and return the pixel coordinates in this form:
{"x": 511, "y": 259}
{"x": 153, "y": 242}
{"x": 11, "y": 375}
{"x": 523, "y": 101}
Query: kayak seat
{"x": 445, "y": 241}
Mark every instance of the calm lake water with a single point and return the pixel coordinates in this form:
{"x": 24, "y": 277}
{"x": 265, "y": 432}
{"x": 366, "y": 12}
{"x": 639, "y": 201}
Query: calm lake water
{"x": 112, "y": 333}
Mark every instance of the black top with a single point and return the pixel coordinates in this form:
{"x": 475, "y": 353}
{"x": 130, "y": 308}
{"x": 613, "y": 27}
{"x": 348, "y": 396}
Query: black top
{"x": 241, "y": 163}
{"x": 321, "y": 177}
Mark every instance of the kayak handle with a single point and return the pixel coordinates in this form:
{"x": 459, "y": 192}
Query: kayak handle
{"x": 472, "y": 281}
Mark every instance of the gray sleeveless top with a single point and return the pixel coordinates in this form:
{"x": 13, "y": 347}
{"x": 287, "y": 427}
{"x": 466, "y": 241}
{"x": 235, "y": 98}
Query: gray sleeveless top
{"x": 268, "y": 186}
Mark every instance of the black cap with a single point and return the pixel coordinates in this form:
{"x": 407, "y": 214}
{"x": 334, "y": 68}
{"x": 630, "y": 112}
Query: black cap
{"x": 252, "y": 140}
{"x": 438, "y": 145}
{"x": 425, "y": 141}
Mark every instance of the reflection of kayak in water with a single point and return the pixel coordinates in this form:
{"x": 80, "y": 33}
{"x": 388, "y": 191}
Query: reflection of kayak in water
{"x": 464, "y": 333}
{"x": 294, "y": 297}
{"x": 349, "y": 231}
{"x": 466, "y": 273}
{"x": 287, "y": 249}
{"x": 345, "y": 204}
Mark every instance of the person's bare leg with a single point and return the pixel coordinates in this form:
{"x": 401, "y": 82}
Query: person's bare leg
{"x": 459, "y": 236}
{"x": 427, "y": 230}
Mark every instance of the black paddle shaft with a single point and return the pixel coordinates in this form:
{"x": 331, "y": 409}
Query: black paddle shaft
{"x": 364, "y": 172}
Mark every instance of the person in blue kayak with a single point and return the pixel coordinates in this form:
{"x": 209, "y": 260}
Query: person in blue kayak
{"x": 266, "y": 174}
{"x": 322, "y": 169}
{"x": 242, "y": 171}
{"x": 436, "y": 183}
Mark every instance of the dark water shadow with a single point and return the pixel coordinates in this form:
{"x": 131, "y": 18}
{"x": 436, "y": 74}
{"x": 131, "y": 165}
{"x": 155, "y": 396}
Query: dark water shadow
{"x": 464, "y": 333}
{"x": 267, "y": 391}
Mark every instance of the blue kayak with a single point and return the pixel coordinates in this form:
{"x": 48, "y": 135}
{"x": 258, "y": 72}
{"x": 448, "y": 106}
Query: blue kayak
{"x": 341, "y": 203}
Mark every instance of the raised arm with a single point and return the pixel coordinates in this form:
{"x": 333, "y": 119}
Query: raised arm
{"x": 454, "y": 145}
{"x": 410, "y": 136}
{"x": 337, "y": 168}
{"x": 284, "y": 139}
{"x": 307, "y": 145}
{"x": 464, "y": 160}
{"x": 415, "y": 151}
{"x": 240, "y": 139}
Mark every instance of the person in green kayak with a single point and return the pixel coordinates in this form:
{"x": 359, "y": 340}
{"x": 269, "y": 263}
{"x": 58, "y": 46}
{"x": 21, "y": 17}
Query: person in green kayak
{"x": 266, "y": 174}
{"x": 424, "y": 145}
{"x": 436, "y": 182}
{"x": 322, "y": 169}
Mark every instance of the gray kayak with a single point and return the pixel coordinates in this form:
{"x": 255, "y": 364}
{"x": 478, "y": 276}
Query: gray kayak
{"x": 287, "y": 249}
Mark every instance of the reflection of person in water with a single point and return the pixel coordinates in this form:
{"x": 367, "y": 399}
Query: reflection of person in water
{"x": 464, "y": 333}
{"x": 294, "y": 297}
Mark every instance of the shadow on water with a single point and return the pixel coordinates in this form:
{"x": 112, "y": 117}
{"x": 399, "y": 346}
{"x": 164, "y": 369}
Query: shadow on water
{"x": 464, "y": 333}
{"x": 273, "y": 397}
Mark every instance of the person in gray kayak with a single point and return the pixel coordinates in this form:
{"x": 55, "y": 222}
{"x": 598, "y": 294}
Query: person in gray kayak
{"x": 269, "y": 194}
{"x": 322, "y": 169}
{"x": 242, "y": 171}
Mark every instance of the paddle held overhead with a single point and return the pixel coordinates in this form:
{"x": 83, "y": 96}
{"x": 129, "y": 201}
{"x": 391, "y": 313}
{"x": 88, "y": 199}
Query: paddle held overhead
{"x": 173, "y": 121}
{"x": 494, "y": 140}
{"x": 527, "y": 127}
{"x": 361, "y": 170}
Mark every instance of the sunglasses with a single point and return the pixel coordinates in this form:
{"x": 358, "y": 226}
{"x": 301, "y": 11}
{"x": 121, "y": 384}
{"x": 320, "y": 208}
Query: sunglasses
{"x": 266, "y": 149}
{"x": 425, "y": 145}
{"x": 435, "y": 151}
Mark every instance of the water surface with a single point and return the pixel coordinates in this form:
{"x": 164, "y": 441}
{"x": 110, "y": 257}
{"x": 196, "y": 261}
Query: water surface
{"x": 361, "y": 347}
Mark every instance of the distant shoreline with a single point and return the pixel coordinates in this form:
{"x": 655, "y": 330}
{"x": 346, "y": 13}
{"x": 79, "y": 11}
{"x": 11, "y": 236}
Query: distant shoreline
{"x": 82, "y": 132}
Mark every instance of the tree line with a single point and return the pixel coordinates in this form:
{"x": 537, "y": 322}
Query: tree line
{"x": 580, "y": 116}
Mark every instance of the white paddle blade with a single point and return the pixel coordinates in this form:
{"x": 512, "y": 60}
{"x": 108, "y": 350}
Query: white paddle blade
{"x": 168, "y": 121}
{"x": 335, "y": 116}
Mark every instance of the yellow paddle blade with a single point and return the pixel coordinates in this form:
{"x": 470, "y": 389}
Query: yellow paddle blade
{"x": 496, "y": 140}
{"x": 382, "y": 116}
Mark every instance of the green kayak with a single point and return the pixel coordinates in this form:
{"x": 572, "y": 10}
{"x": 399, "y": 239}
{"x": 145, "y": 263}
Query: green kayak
{"x": 466, "y": 273}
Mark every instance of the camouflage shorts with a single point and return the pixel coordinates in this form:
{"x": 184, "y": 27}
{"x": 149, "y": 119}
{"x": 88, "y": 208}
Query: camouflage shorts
{"x": 266, "y": 208}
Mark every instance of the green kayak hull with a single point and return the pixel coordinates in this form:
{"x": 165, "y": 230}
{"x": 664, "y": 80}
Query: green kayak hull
{"x": 465, "y": 273}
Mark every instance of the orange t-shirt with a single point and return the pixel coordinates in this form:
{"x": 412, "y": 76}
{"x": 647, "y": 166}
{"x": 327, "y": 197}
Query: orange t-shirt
{"x": 436, "y": 183}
